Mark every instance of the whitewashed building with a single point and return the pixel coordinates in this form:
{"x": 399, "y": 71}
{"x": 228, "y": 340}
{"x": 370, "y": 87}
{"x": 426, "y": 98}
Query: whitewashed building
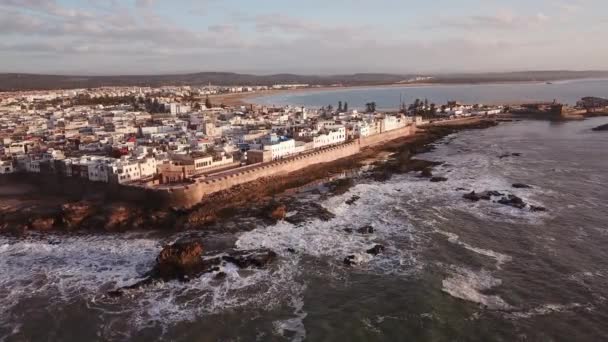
{"x": 333, "y": 134}
{"x": 6, "y": 167}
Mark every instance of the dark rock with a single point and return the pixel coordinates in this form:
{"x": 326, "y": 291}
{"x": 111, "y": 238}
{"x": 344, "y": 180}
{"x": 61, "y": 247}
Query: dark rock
{"x": 521, "y": 186}
{"x": 350, "y": 260}
{"x": 73, "y": 214}
{"x": 183, "y": 261}
{"x": 507, "y": 155}
{"x": 601, "y": 128}
{"x": 438, "y": 179}
{"x": 352, "y": 200}
{"x": 485, "y": 196}
{"x": 377, "y": 249}
{"x": 513, "y": 201}
{"x": 537, "y": 209}
{"x": 279, "y": 212}
{"x": 472, "y": 196}
{"x": 461, "y": 189}
{"x": 348, "y": 230}
{"x": 42, "y": 224}
{"x": 291, "y": 250}
{"x": 340, "y": 186}
{"x": 307, "y": 211}
{"x": 426, "y": 173}
{"x": 115, "y": 293}
{"x": 245, "y": 259}
{"x": 183, "y": 258}
{"x": 366, "y": 230}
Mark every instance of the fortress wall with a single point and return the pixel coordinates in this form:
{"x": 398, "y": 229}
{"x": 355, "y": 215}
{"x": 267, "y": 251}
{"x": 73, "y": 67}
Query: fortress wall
{"x": 188, "y": 195}
{"x": 388, "y": 136}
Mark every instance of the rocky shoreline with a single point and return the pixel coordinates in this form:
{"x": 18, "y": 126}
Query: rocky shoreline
{"x": 601, "y": 128}
{"x": 265, "y": 200}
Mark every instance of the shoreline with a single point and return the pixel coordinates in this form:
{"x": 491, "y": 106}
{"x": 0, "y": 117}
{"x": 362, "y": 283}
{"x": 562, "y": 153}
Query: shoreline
{"x": 256, "y": 199}
{"x": 246, "y": 99}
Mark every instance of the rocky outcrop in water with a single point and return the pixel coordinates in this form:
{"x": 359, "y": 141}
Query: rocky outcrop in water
{"x": 601, "y": 128}
{"x": 306, "y": 211}
{"x": 246, "y": 259}
{"x": 180, "y": 260}
{"x": 352, "y": 260}
{"x": 521, "y": 186}
{"x": 438, "y": 179}
{"x": 363, "y": 230}
{"x": 476, "y": 197}
{"x": 377, "y": 249}
{"x": 279, "y": 213}
{"x": 512, "y": 201}
{"x": 185, "y": 260}
{"x": 353, "y": 200}
{"x": 426, "y": 173}
{"x": 509, "y": 200}
{"x": 507, "y": 155}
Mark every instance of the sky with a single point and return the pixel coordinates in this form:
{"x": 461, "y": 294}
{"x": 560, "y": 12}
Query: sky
{"x": 110, "y": 37}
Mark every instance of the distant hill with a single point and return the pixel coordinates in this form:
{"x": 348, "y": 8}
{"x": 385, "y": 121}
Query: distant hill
{"x": 17, "y": 81}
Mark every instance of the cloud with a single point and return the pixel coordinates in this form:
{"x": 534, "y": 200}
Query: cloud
{"x": 504, "y": 20}
{"x": 142, "y": 4}
{"x": 135, "y": 36}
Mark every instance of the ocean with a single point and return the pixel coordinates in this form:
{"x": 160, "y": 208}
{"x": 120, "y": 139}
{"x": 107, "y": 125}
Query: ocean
{"x": 568, "y": 92}
{"x": 452, "y": 269}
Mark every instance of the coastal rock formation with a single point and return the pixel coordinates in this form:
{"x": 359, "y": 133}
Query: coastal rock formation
{"x": 438, "y": 179}
{"x": 486, "y": 195}
{"x": 426, "y": 173}
{"x": 513, "y": 201}
{"x": 119, "y": 217}
{"x": 179, "y": 260}
{"x": 307, "y": 211}
{"x": 476, "y": 197}
{"x": 366, "y": 230}
{"x": 377, "y": 249}
{"x": 507, "y": 155}
{"x": 353, "y": 260}
{"x": 601, "y": 128}
{"x": 353, "y": 200}
{"x": 73, "y": 214}
{"x": 509, "y": 200}
{"x": 279, "y": 213}
{"x": 246, "y": 259}
{"x": 184, "y": 260}
{"x": 42, "y": 224}
{"x": 521, "y": 186}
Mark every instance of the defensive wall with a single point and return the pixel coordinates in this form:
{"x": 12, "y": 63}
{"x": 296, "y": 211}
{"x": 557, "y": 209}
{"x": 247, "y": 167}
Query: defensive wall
{"x": 190, "y": 194}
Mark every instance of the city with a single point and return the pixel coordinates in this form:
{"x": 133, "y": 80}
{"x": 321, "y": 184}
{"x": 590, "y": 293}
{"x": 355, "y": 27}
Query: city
{"x": 171, "y": 135}
{"x": 270, "y": 170}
